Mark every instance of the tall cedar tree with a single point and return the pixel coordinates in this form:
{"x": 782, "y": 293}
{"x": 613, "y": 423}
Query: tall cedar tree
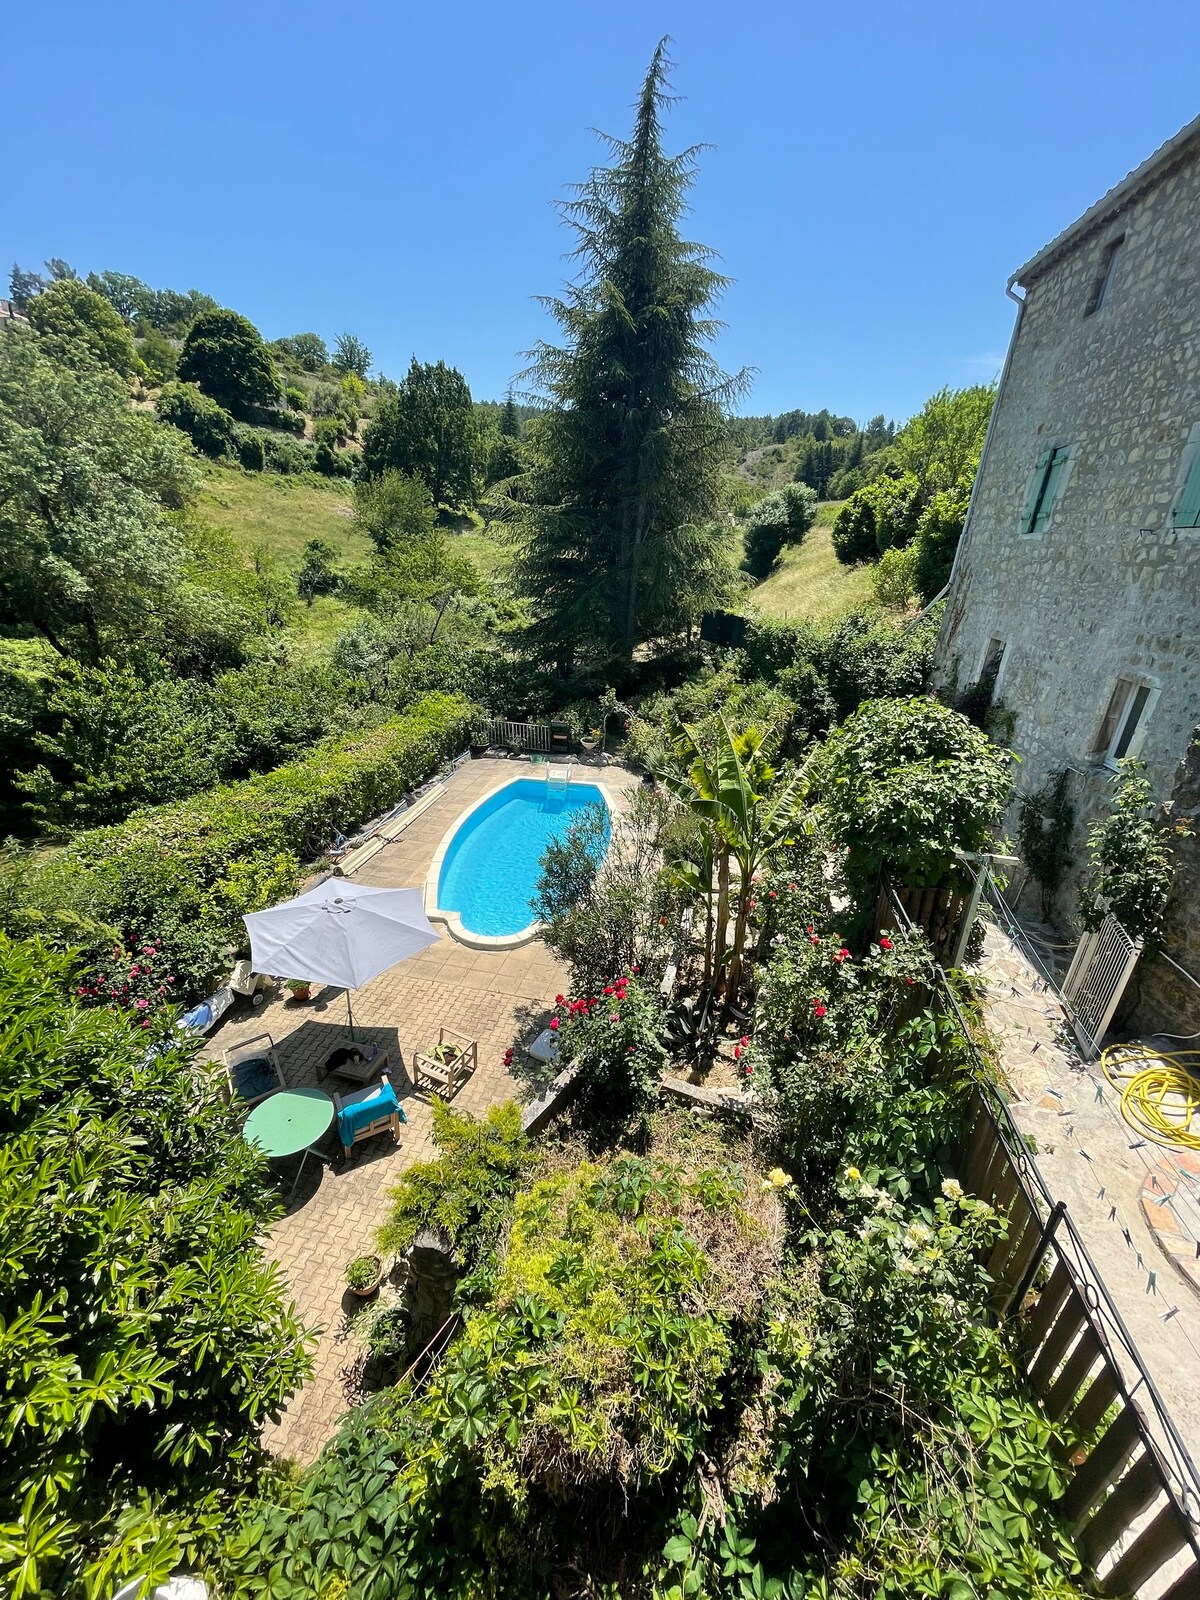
{"x": 629, "y": 449}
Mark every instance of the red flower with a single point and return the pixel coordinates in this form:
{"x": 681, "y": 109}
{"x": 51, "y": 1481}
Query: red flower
{"x": 810, "y": 929}
{"x": 559, "y": 999}
{"x": 884, "y": 942}
{"x": 747, "y": 1069}
{"x": 508, "y": 1055}
{"x": 842, "y": 955}
{"x": 818, "y": 1008}
{"x": 737, "y": 1052}
{"x": 635, "y": 969}
{"x": 744, "y": 1040}
{"x": 814, "y": 940}
{"x": 771, "y": 895}
{"x": 608, "y": 989}
{"x": 909, "y": 982}
{"x": 554, "y": 1023}
{"x": 752, "y": 905}
{"x": 792, "y": 888}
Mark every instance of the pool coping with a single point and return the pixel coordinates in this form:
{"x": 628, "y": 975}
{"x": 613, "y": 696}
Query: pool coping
{"x": 451, "y": 919}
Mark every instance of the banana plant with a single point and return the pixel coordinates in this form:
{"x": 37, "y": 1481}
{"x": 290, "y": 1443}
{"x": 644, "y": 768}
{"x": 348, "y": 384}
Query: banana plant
{"x": 747, "y": 810}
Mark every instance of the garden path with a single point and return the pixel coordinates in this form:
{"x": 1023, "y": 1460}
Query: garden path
{"x": 500, "y": 997}
{"x": 1116, "y": 1185}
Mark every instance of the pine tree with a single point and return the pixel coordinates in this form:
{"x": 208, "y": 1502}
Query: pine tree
{"x": 630, "y": 446}
{"x": 510, "y": 422}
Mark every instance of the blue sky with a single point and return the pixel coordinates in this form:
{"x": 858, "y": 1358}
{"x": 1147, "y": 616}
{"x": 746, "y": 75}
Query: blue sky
{"x": 879, "y": 169}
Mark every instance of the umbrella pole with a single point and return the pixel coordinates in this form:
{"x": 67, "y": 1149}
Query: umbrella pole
{"x": 350, "y": 1016}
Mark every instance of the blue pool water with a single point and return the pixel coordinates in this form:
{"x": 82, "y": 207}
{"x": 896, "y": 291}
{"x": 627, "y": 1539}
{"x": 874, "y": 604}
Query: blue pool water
{"x": 490, "y": 872}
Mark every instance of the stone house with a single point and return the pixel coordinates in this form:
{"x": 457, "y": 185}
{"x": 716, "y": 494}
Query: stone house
{"x": 1076, "y": 585}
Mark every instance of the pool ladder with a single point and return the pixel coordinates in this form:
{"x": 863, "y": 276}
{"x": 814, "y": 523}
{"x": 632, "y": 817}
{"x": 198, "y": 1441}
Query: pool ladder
{"x": 558, "y": 780}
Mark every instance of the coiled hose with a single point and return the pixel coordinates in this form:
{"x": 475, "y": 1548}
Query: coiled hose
{"x": 1161, "y": 1098}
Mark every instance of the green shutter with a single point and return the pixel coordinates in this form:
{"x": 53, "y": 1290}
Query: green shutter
{"x": 1058, "y": 461}
{"x": 1188, "y": 513}
{"x": 1035, "y": 489}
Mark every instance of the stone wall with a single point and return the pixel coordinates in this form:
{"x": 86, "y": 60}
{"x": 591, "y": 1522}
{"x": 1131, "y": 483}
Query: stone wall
{"x": 1110, "y": 589}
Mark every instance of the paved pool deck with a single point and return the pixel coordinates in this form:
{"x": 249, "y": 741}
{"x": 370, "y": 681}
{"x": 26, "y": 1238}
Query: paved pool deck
{"x": 499, "y": 997}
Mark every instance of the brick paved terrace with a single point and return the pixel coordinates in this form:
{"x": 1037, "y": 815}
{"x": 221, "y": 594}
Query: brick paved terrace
{"x": 500, "y": 997}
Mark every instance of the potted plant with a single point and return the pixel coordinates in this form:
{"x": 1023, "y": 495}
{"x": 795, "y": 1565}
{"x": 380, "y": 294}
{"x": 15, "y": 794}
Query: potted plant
{"x": 364, "y": 1275}
{"x": 589, "y": 740}
{"x": 299, "y": 988}
{"x": 479, "y": 741}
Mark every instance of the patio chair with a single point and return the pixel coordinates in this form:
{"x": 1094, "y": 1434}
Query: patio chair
{"x": 252, "y": 1070}
{"x": 453, "y": 1058}
{"x": 365, "y": 1113}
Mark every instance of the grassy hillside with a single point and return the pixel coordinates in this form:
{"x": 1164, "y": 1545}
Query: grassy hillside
{"x": 282, "y": 514}
{"x": 810, "y": 584}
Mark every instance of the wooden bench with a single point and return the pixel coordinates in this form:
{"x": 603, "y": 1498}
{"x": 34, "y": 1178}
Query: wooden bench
{"x": 451, "y": 1061}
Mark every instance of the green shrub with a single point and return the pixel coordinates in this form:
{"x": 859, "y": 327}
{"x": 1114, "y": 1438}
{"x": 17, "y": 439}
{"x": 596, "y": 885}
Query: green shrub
{"x": 157, "y": 355}
{"x": 907, "y": 784}
{"x": 186, "y": 873}
{"x": 1131, "y": 859}
{"x": 854, "y": 530}
{"x": 938, "y": 531}
{"x": 144, "y": 1339}
{"x": 251, "y": 453}
{"x": 781, "y": 518}
{"x": 467, "y": 1191}
{"x": 285, "y": 455}
{"x": 208, "y": 425}
{"x": 297, "y": 399}
{"x": 895, "y": 578}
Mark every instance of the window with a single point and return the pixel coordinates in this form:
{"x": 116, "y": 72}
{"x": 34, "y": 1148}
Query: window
{"x": 1124, "y": 725}
{"x": 1187, "y": 495}
{"x": 993, "y": 661}
{"x": 1045, "y": 486}
{"x": 1104, "y": 278}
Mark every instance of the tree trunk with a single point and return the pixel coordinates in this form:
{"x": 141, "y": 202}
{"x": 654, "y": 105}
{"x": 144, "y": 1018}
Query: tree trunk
{"x": 722, "y": 917}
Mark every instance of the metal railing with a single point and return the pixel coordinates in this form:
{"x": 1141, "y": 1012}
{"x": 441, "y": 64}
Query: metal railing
{"x": 1134, "y": 1499}
{"x": 533, "y": 736}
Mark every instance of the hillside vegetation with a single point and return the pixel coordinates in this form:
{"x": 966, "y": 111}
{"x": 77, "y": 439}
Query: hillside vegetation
{"x": 810, "y": 584}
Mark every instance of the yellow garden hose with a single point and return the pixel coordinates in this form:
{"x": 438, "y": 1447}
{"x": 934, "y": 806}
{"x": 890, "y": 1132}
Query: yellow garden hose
{"x": 1160, "y": 1093}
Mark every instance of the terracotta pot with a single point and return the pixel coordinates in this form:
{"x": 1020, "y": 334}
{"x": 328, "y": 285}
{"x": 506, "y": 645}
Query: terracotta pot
{"x": 365, "y": 1294}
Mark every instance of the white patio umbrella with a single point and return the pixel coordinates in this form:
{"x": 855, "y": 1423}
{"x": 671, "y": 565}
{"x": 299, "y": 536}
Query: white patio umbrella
{"x": 339, "y": 933}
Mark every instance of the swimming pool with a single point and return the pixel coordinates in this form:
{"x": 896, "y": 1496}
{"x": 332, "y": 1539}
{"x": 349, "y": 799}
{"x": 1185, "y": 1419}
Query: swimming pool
{"x": 490, "y": 868}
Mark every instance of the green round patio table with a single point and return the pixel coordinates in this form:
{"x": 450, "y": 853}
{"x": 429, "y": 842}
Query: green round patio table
{"x": 289, "y": 1122}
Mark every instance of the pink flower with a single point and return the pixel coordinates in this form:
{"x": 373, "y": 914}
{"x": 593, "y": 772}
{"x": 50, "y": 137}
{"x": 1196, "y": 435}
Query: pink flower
{"x": 635, "y": 969}
{"x": 744, "y": 1040}
{"x": 554, "y": 1024}
{"x": 771, "y": 895}
{"x": 614, "y": 1017}
{"x": 143, "y": 1005}
{"x": 752, "y": 905}
{"x": 133, "y": 971}
{"x": 146, "y": 1024}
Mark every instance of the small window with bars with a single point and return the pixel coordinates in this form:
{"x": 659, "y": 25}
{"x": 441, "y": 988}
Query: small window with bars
{"x": 1124, "y": 723}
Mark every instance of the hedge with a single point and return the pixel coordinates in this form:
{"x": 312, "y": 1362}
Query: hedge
{"x": 185, "y": 873}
